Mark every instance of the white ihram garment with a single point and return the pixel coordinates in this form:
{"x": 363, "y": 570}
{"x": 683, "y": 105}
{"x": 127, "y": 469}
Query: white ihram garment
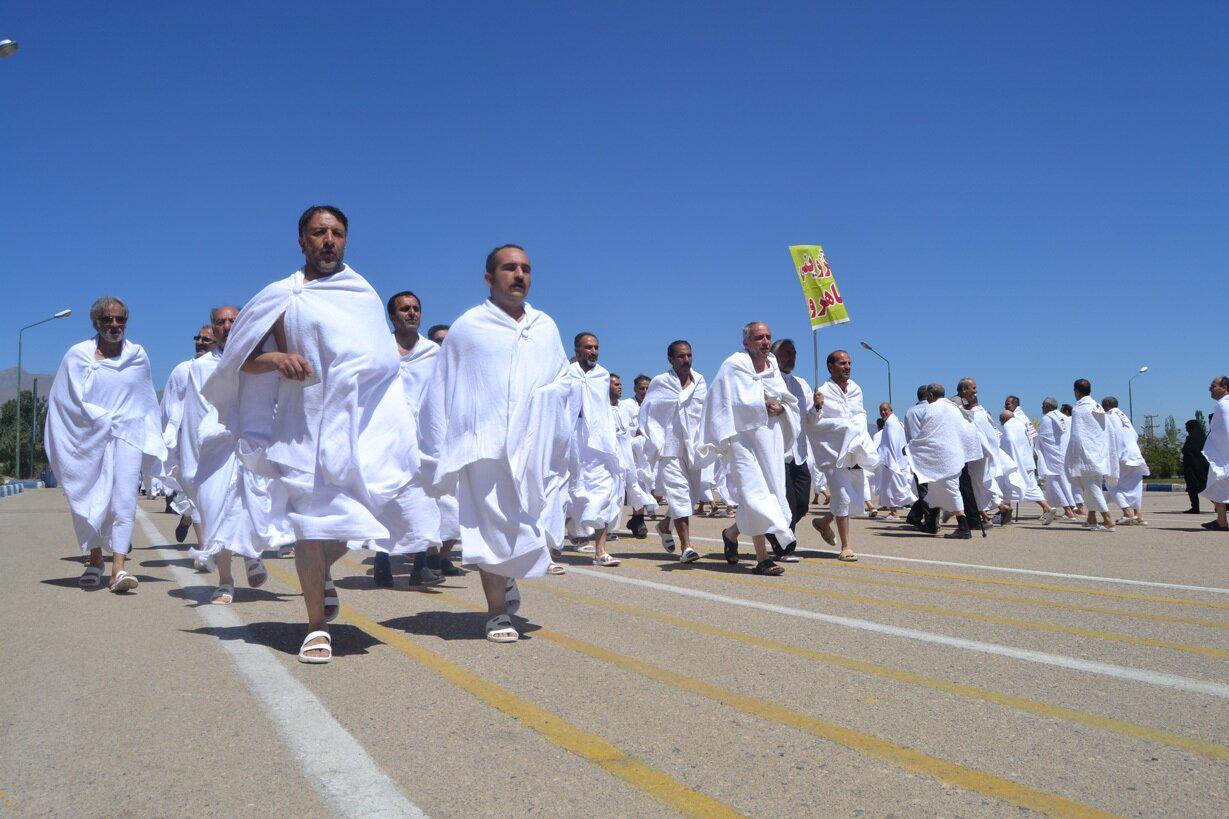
{"x": 1088, "y": 462}
{"x": 1216, "y": 450}
{"x": 1052, "y": 437}
{"x": 480, "y": 443}
{"x": 342, "y": 443}
{"x": 751, "y": 444}
{"x": 839, "y": 443}
{"x": 937, "y": 453}
{"x": 1128, "y": 491}
{"x": 1015, "y": 443}
{"x": 996, "y": 469}
{"x": 670, "y": 419}
{"x": 104, "y": 427}
{"x": 595, "y": 485}
{"x": 240, "y": 511}
{"x": 434, "y": 520}
{"x": 639, "y": 490}
{"x": 895, "y": 478}
{"x": 635, "y": 493}
{"x": 172, "y": 413}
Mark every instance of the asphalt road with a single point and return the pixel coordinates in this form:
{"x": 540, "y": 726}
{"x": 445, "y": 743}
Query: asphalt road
{"x": 1045, "y": 669}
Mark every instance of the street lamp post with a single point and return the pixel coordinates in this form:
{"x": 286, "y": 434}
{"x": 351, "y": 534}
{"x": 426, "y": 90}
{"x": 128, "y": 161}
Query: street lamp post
{"x": 866, "y": 346}
{"x": 17, "y": 428}
{"x": 1131, "y": 395}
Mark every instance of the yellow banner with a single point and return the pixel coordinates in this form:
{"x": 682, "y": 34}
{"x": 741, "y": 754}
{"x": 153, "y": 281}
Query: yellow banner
{"x": 824, "y": 303}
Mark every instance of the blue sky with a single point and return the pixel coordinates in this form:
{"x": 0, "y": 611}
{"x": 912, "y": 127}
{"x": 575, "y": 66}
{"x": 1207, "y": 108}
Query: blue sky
{"x": 1022, "y": 193}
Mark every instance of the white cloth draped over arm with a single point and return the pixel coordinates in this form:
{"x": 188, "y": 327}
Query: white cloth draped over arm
{"x": 736, "y": 403}
{"x": 1088, "y": 447}
{"x": 837, "y": 433}
{"x": 937, "y": 449}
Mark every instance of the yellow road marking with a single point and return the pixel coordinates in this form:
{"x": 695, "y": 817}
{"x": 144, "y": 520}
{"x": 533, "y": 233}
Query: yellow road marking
{"x": 970, "y": 615}
{"x": 1209, "y": 749}
{"x": 970, "y": 779}
{"x": 590, "y": 747}
{"x": 845, "y": 577}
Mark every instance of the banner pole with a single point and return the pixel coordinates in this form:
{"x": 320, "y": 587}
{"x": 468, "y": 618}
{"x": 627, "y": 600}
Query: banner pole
{"x": 815, "y": 350}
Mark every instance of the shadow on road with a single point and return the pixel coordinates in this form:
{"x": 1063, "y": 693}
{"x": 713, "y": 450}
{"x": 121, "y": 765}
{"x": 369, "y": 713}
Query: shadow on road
{"x": 199, "y": 595}
{"x": 452, "y": 625}
{"x": 288, "y": 637}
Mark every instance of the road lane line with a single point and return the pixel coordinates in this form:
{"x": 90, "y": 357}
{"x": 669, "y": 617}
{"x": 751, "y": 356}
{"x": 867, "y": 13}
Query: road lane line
{"x": 945, "y": 771}
{"x": 1208, "y": 749}
{"x": 1143, "y": 675}
{"x": 590, "y": 747}
{"x": 1043, "y": 586}
{"x": 331, "y": 759}
{"x": 844, "y": 576}
{"x": 1208, "y": 651}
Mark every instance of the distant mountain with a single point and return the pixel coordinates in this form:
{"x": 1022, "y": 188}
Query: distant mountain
{"x": 8, "y": 383}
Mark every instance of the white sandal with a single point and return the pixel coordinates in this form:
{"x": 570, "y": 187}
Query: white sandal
{"x": 556, "y": 568}
{"x": 91, "y": 578}
{"x": 257, "y": 574}
{"x": 499, "y": 630}
{"x": 512, "y": 597}
{"x": 331, "y": 601}
{"x": 667, "y": 540}
{"x": 606, "y": 560}
{"x": 327, "y": 645}
{"x": 223, "y": 590}
{"x": 123, "y": 582}
{"x": 690, "y": 555}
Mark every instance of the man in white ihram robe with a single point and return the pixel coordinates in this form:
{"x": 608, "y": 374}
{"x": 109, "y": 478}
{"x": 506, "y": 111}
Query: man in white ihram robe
{"x": 637, "y": 495}
{"x": 894, "y": 478}
{"x": 640, "y": 491}
{"x": 750, "y": 421}
{"x": 1052, "y": 436}
{"x": 1128, "y": 490}
{"x": 1014, "y": 441}
{"x": 937, "y": 456}
{"x": 841, "y": 446}
{"x": 1088, "y": 461}
{"x": 1216, "y": 450}
{"x": 103, "y": 426}
{"x": 172, "y": 413}
{"x": 343, "y": 442}
{"x": 241, "y": 512}
{"x": 670, "y": 419}
{"x": 478, "y": 442}
{"x": 993, "y": 463}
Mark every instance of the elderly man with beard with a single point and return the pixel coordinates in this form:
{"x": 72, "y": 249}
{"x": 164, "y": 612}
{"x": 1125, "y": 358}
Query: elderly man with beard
{"x": 103, "y": 422}
{"x": 343, "y": 441}
{"x": 750, "y": 422}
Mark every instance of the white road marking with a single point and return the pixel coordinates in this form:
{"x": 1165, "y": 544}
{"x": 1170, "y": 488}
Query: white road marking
{"x": 1210, "y": 589}
{"x": 331, "y": 759}
{"x": 1062, "y": 661}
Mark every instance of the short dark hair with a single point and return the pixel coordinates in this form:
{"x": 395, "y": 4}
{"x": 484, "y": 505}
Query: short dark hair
{"x": 935, "y": 391}
{"x": 781, "y": 342}
{"x": 1109, "y": 402}
{"x": 673, "y": 344}
{"x": 435, "y": 328}
{"x": 1082, "y": 386}
{"x": 314, "y": 209}
{"x": 923, "y": 391}
{"x": 616, "y": 375}
{"x": 832, "y": 356}
{"x": 393, "y": 300}
{"x": 1222, "y": 381}
{"x": 580, "y": 335}
{"x": 1015, "y": 399}
{"x": 490, "y": 257}
{"x": 639, "y": 378}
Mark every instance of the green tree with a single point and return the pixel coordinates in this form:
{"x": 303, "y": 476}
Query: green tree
{"x": 1164, "y": 452}
{"x": 12, "y": 428}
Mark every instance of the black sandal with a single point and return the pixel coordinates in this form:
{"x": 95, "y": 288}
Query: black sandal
{"x": 731, "y": 548}
{"x": 1215, "y": 527}
{"x": 768, "y": 567}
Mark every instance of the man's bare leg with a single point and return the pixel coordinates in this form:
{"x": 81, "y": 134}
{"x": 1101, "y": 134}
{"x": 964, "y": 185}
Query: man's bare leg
{"x": 225, "y": 578}
{"x": 495, "y": 587}
{"x": 683, "y": 527}
{"x": 842, "y": 531}
{"x": 312, "y": 559}
{"x": 117, "y": 564}
{"x": 1221, "y": 514}
{"x": 760, "y": 544}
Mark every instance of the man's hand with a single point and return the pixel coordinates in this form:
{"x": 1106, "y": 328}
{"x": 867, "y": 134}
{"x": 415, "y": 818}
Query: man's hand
{"x": 293, "y": 366}
{"x": 818, "y": 400}
{"x": 774, "y": 408}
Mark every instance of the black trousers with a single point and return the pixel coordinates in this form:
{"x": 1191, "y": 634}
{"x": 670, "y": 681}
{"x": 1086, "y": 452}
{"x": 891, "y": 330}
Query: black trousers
{"x": 971, "y": 513}
{"x": 797, "y": 491}
{"x": 1194, "y": 496}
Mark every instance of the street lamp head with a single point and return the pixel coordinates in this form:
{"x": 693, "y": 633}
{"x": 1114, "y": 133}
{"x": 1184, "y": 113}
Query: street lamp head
{"x": 63, "y": 313}
{"x": 865, "y": 346}
{"x": 8, "y": 48}
{"x": 1144, "y": 369}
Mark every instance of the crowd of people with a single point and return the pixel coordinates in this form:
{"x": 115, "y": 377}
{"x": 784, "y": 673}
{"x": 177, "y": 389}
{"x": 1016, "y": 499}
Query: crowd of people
{"x": 302, "y": 425}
